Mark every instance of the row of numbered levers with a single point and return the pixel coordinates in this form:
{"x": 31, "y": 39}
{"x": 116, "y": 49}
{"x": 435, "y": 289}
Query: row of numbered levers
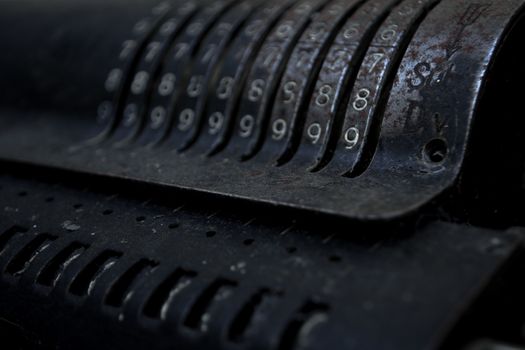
{"x": 301, "y": 83}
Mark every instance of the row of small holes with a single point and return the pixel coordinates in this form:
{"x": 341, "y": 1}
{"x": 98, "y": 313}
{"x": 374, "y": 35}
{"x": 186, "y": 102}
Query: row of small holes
{"x": 139, "y": 219}
{"x": 247, "y": 242}
{"x": 209, "y": 234}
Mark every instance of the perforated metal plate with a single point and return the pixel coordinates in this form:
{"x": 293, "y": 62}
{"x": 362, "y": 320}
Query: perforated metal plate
{"x": 81, "y": 265}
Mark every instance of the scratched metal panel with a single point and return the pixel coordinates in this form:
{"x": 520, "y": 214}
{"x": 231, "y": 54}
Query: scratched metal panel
{"x": 117, "y": 266}
{"x": 361, "y": 109}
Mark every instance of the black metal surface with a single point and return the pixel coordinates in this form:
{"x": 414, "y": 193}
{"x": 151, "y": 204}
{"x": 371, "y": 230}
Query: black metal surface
{"x": 245, "y": 174}
{"x": 175, "y": 271}
{"x": 359, "y": 109}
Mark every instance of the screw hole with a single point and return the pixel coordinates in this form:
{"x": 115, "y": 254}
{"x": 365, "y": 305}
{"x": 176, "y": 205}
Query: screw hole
{"x": 435, "y": 151}
{"x": 22, "y": 194}
{"x": 291, "y": 250}
{"x": 173, "y": 225}
{"x": 77, "y": 206}
{"x": 141, "y": 219}
{"x": 107, "y": 212}
{"x": 335, "y": 258}
{"x": 248, "y": 242}
{"x": 50, "y": 199}
{"x": 210, "y": 234}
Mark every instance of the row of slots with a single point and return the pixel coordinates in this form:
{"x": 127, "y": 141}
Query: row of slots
{"x": 157, "y": 304}
{"x": 118, "y": 134}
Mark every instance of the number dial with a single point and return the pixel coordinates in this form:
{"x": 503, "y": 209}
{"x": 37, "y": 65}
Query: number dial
{"x": 263, "y": 78}
{"x": 431, "y": 107}
{"x": 379, "y": 65}
{"x": 115, "y": 85}
{"x": 227, "y": 88}
{"x": 193, "y": 97}
{"x": 142, "y": 81}
{"x": 302, "y": 69}
{"x": 173, "y": 74}
{"x": 337, "y": 70}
